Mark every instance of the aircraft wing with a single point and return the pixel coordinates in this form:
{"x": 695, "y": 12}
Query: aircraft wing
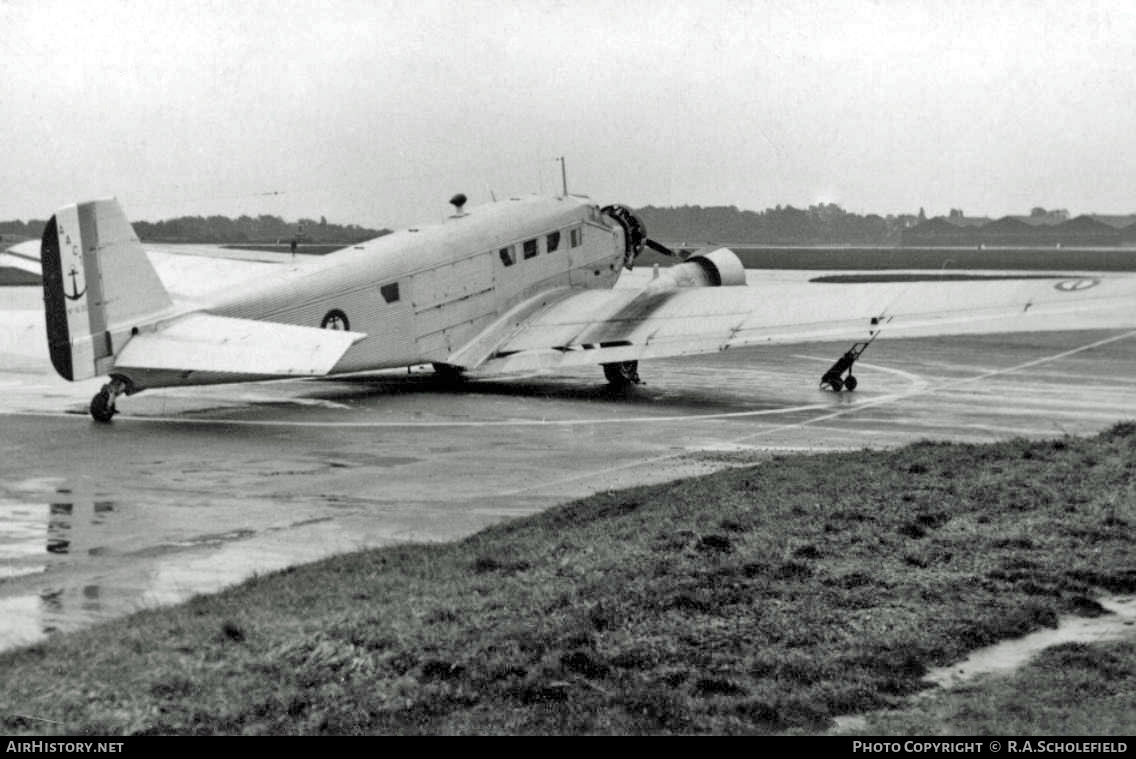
{"x": 23, "y": 256}
{"x": 223, "y": 345}
{"x": 601, "y": 326}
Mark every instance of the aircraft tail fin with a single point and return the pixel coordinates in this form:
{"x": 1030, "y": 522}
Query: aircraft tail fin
{"x": 98, "y": 285}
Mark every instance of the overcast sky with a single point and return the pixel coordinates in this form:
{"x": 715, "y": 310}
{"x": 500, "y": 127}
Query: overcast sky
{"x": 377, "y": 112}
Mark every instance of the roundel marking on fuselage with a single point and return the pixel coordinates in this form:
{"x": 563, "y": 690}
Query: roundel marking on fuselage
{"x": 335, "y": 319}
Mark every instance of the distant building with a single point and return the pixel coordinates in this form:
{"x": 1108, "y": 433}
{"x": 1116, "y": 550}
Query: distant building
{"x": 971, "y": 221}
{"x": 937, "y": 231}
{"x": 1125, "y": 222}
{"x": 1039, "y": 217}
{"x": 1085, "y": 231}
{"x": 1008, "y": 232}
{"x": 1115, "y": 220}
{"x": 1039, "y": 229}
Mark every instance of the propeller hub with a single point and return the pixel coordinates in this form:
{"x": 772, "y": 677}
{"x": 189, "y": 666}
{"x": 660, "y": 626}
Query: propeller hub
{"x": 634, "y": 234}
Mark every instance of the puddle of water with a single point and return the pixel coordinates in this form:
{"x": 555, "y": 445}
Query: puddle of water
{"x": 849, "y": 722}
{"x": 70, "y": 556}
{"x": 1005, "y": 657}
{"x": 18, "y": 571}
{"x": 22, "y": 531}
{"x": 36, "y": 538}
{"x": 22, "y": 624}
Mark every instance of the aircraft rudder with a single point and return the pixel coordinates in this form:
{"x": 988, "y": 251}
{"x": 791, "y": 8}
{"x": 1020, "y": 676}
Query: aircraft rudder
{"x": 98, "y": 284}
{"x": 54, "y": 301}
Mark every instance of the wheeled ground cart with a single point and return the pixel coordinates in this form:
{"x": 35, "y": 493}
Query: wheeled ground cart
{"x": 834, "y": 377}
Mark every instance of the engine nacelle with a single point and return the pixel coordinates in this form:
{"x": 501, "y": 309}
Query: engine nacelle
{"x": 634, "y": 233}
{"x": 717, "y": 268}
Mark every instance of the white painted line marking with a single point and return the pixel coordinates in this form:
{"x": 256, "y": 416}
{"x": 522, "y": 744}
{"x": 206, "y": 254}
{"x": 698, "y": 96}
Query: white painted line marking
{"x": 929, "y": 389}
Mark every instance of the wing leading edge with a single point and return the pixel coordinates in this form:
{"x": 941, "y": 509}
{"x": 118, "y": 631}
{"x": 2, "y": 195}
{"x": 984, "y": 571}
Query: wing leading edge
{"x": 601, "y": 326}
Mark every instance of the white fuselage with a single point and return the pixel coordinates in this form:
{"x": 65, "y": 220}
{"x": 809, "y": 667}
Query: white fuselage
{"x": 421, "y": 295}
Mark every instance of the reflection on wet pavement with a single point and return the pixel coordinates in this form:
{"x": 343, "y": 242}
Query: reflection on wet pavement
{"x": 72, "y": 559}
{"x": 35, "y": 538}
{"x": 69, "y": 558}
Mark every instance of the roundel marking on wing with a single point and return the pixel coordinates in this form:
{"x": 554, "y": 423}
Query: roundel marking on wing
{"x": 335, "y": 319}
{"x": 1073, "y": 285}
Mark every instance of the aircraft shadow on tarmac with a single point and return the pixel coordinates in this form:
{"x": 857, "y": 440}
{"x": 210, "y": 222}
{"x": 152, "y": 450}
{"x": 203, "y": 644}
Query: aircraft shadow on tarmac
{"x": 672, "y": 395}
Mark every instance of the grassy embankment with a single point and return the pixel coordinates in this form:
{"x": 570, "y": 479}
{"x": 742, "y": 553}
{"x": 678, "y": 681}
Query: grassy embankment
{"x": 759, "y": 599}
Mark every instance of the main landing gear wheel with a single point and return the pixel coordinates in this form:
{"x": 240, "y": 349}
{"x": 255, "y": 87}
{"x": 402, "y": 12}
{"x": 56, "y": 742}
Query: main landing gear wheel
{"x": 103, "y": 404}
{"x": 449, "y": 373}
{"x": 850, "y": 383}
{"x": 622, "y": 373}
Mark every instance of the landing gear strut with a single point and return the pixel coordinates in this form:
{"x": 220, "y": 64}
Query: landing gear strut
{"x": 833, "y": 377}
{"x": 622, "y": 373}
{"x": 103, "y": 404}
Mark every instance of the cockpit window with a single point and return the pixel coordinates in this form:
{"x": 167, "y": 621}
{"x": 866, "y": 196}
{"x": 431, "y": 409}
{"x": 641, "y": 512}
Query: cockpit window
{"x": 552, "y": 241}
{"x": 508, "y": 257}
{"x": 530, "y": 248}
{"x": 575, "y": 237}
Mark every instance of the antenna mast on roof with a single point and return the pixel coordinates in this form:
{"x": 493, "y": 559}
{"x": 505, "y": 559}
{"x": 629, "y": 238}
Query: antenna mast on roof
{"x": 563, "y": 177}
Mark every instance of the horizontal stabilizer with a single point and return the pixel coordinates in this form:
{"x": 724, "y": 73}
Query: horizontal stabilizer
{"x": 219, "y": 344}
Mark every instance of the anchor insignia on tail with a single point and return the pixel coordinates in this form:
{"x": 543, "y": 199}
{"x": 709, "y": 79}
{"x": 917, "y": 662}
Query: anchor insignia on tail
{"x": 75, "y": 293}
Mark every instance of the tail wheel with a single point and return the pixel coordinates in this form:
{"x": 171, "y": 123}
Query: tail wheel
{"x": 622, "y": 373}
{"x": 102, "y": 405}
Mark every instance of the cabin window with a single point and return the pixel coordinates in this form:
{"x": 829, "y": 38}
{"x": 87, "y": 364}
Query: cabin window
{"x": 552, "y": 242}
{"x": 575, "y": 237}
{"x": 507, "y": 256}
{"x": 530, "y": 248}
{"x": 390, "y": 292}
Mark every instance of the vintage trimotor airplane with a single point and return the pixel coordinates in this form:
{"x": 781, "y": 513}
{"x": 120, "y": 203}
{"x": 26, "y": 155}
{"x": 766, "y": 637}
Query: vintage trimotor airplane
{"x": 512, "y": 286}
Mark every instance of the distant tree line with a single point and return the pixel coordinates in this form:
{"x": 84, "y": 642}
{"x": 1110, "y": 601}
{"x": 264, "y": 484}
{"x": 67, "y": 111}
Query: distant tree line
{"x": 264, "y": 228}
{"x": 222, "y": 229}
{"x": 826, "y": 223}
{"x": 17, "y": 228}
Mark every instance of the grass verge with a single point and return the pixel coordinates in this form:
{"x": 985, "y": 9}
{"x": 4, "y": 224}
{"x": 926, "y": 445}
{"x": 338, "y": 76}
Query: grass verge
{"x": 756, "y": 600}
{"x": 1074, "y": 689}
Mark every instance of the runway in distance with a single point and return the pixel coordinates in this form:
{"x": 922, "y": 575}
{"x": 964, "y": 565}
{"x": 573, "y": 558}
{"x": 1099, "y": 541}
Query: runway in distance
{"x": 520, "y": 285}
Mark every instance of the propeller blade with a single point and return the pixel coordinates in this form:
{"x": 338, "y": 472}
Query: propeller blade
{"x": 659, "y": 248}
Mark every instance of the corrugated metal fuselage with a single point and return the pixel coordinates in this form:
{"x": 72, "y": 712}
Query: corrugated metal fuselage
{"x": 420, "y": 295}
